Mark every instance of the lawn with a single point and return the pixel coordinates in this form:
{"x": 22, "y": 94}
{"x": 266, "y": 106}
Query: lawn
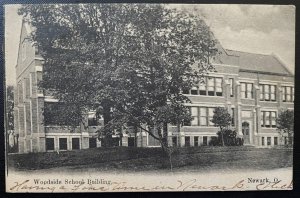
{"x": 145, "y": 159}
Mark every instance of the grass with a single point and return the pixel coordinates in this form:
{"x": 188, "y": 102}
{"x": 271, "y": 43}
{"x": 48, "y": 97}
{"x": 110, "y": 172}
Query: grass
{"x": 145, "y": 159}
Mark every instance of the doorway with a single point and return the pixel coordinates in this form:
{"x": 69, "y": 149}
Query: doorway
{"x": 246, "y": 132}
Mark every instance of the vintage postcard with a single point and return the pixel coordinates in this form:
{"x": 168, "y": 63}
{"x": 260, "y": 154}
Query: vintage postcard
{"x": 149, "y": 97}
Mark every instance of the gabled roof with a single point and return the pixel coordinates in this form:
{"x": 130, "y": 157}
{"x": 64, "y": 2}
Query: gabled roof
{"x": 252, "y": 62}
{"x": 259, "y": 62}
{"x": 246, "y": 61}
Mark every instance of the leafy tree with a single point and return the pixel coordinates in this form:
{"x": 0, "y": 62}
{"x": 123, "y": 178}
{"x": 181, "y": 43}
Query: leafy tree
{"x": 176, "y": 53}
{"x": 128, "y": 62}
{"x": 285, "y": 124}
{"x": 221, "y": 119}
{"x": 10, "y": 117}
{"x": 10, "y": 107}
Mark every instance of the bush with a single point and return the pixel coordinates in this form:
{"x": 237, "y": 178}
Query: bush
{"x": 215, "y": 141}
{"x": 230, "y": 139}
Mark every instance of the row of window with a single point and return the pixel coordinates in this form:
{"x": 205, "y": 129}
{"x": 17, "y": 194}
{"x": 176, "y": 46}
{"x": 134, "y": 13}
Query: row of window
{"x": 63, "y": 143}
{"x": 267, "y": 92}
{"x": 202, "y": 116}
{"x": 268, "y": 119}
{"x": 269, "y": 141}
{"x": 247, "y": 90}
{"x": 187, "y": 141}
{"x": 287, "y": 94}
{"x": 212, "y": 86}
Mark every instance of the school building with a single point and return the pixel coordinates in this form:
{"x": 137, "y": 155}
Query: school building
{"x": 253, "y": 87}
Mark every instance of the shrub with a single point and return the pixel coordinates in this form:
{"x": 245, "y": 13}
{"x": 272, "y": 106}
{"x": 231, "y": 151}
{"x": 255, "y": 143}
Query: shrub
{"x": 230, "y": 139}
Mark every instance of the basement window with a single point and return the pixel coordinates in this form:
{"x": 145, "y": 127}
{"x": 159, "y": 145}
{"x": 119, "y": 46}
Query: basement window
{"x": 63, "y": 145}
{"x": 49, "y": 144}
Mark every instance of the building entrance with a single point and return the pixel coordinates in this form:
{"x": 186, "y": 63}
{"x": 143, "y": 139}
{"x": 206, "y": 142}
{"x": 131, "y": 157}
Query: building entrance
{"x": 246, "y": 132}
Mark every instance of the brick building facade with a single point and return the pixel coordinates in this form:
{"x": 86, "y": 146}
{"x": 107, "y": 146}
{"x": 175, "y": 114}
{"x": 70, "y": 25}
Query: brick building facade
{"x": 253, "y": 87}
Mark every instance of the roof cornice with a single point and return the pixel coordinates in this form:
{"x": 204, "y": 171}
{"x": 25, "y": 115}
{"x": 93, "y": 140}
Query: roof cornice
{"x": 262, "y": 72}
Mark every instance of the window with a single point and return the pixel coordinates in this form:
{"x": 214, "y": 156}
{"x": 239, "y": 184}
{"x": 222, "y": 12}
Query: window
{"x": 285, "y": 140}
{"x": 204, "y": 140}
{"x": 131, "y": 141}
{"x": 201, "y": 116}
{"x": 187, "y": 141}
{"x": 20, "y": 92}
{"x": 63, "y": 144}
{"x": 186, "y": 91}
{"x": 75, "y": 143}
{"x": 174, "y": 141}
{"x": 267, "y": 92}
{"x": 263, "y": 141}
{"x": 92, "y": 142}
{"x": 202, "y": 88}
{"x": 196, "y": 141}
{"x": 49, "y": 144}
{"x": 247, "y": 90}
{"x": 211, "y": 86}
{"x": 27, "y": 88}
{"x": 287, "y": 94}
{"x": 293, "y": 94}
{"x": 275, "y": 141}
{"x": 232, "y": 117}
{"x": 268, "y": 141}
{"x": 268, "y": 119}
{"x": 261, "y": 96}
{"x": 92, "y": 119}
{"x": 243, "y": 90}
{"x": 39, "y": 76}
{"x": 210, "y": 115}
{"x": 186, "y": 122}
{"x": 194, "y": 91}
{"x": 273, "y": 119}
{"x": 32, "y": 84}
{"x": 231, "y": 86}
{"x": 194, "y": 112}
{"x": 273, "y": 92}
{"x": 219, "y": 89}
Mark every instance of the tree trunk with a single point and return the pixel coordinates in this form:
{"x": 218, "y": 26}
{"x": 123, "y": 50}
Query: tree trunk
{"x": 178, "y": 143}
{"x": 164, "y": 143}
{"x": 135, "y": 136}
{"x": 222, "y": 136}
{"x": 107, "y": 140}
{"x": 165, "y": 134}
{"x": 121, "y": 137}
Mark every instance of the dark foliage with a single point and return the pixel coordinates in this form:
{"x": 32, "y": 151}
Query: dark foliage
{"x": 230, "y": 139}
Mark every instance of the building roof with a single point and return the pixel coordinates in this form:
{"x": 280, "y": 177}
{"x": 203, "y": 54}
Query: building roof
{"x": 252, "y": 62}
{"x": 246, "y": 61}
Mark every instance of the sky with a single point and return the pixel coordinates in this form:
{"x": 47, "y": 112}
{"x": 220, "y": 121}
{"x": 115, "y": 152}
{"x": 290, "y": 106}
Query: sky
{"x": 264, "y": 29}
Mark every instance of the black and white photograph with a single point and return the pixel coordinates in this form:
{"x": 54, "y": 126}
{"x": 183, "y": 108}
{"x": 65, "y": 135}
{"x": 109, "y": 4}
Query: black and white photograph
{"x": 137, "y": 97}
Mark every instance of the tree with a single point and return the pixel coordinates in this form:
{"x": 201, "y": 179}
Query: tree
{"x": 10, "y": 116}
{"x": 285, "y": 124}
{"x": 135, "y": 58}
{"x": 10, "y": 107}
{"x": 221, "y": 119}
